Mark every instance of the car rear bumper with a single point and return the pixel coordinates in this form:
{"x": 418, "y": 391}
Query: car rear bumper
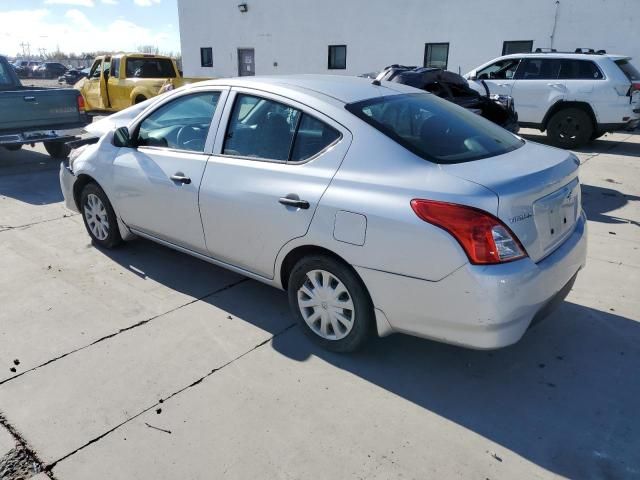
{"x": 477, "y": 306}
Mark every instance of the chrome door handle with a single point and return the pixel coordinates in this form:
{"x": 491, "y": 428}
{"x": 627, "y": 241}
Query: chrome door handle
{"x": 294, "y": 202}
{"x": 180, "y": 177}
{"x": 29, "y": 99}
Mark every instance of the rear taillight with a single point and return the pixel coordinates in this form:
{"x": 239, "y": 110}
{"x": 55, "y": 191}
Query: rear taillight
{"x": 635, "y": 87}
{"x": 81, "y": 104}
{"x": 484, "y": 238}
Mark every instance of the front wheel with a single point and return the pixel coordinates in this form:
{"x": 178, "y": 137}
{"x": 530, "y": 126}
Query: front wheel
{"x": 570, "y": 128}
{"x": 331, "y": 303}
{"x": 57, "y": 150}
{"x": 98, "y": 216}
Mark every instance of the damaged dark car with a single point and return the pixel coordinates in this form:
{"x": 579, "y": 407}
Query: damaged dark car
{"x": 454, "y": 88}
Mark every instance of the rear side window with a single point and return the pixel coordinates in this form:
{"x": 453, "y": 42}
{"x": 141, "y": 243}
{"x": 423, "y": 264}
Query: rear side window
{"x": 261, "y": 128}
{"x": 150, "y": 68}
{"x": 115, "y": 67}
{"x": 435, "y": 129}
{"x": 312, "y": 137}
{"x": 579, "y": 70}
{"x": 538, "y": 69}
{"x": 629, "y": 70}
{"x": 182, "y": 124}
{"x": 269, "y": 130}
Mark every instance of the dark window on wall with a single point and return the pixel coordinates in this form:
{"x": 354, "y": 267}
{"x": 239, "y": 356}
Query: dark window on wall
{"x": 206, "y": 57}
{"x": 436, "y": 55}
{"x": 517, "y": 46}
{"x": 337, "y": 57}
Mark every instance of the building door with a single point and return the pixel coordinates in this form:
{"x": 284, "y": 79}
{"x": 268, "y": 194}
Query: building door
{"x": 246, "y": 62}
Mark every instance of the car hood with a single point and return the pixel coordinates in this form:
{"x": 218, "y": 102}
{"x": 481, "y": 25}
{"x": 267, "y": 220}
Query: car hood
{"x": 120, "y": 119}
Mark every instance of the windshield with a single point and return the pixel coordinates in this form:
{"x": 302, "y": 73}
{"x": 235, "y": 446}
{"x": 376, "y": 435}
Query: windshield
{"x": 435, "y": 129}
{"x": 629, "y": 70}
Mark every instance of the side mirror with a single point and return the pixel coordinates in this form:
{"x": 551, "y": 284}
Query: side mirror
{"x": 122, "y": 138}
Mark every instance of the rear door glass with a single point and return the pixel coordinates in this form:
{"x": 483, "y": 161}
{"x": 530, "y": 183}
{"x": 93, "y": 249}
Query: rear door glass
{"x": 579, "y": 70}
{"x": 312, "y": 137}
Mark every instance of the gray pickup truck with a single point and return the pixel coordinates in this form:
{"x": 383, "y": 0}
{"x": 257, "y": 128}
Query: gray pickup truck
{"x": 30, "y": 115}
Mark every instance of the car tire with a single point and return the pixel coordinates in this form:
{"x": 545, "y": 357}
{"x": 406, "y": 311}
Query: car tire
{"x": 570, "y": 128}
{"x": 139, "y": 99}
{"x": 99, "y": 217}
{"x": 597, "y": 134}
{"x": 316, "y": 285}
{"x": 57, "y": 150}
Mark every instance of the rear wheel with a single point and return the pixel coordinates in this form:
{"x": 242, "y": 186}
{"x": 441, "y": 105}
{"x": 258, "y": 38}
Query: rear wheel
{"x": 570, "y": 128}
{"x": 98, "y": 216}
{"x": 331, "y": 303}
{"x": 597, "y": 134}
{"x": 139, "y": 99}
{"x": 57, "y": 150}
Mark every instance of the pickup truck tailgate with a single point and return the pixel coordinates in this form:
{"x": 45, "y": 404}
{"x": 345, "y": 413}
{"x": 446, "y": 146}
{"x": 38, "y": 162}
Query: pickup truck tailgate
{"x": 32, "y": 109}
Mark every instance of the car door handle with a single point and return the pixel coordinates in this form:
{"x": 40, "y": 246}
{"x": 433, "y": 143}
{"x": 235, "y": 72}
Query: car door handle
{"x": 29, "y": 99}
{"x": 180, "y": 177}
{"x": 294, "y": 202}
{"x": 559, "y": 85}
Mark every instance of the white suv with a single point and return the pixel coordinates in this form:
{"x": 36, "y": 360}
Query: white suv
{"x": 575, "y": 97}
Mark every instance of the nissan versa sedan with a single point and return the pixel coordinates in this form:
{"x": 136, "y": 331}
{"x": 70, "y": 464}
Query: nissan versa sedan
{"x": 379, "y": 208}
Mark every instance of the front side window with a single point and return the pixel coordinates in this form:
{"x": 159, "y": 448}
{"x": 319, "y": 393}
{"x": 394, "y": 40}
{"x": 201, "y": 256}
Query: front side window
{"x": 150, "y": 68}
{"x": 182, "y": 124}
{"x": 337, "y": 57}
{"x": 517, "y": 46}
{"x": 206, "y": 57}
{"x": 500, "y": 70}
{"x": 436, "y": 55}
{"x": 261, "y": 128}
{"x": 539, "y": 69}
{"x": 95, "y": 70}
{"x": 435, "y": 129}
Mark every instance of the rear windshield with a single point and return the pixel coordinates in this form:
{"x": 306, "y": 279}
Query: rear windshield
{"x": 629, "y": 70}
{"x": 150, "y": 68}
{"x": 435, "y": 129}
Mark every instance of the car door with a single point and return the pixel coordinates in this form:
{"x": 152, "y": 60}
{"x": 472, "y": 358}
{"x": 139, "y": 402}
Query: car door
{"x": 537, "y": 88}
{"x": 499, "y": 76}
{"x": 156, "y": 183}
{"x": 91, "y": 87}
{"x": 269, "y": 170}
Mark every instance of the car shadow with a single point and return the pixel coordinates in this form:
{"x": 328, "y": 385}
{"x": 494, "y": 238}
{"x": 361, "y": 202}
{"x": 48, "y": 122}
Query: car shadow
{"x": 29, "y": 176}
{"x": 605, "y": 144}
{"x": 565, "y": 397}
{"x": 598, "y": 202}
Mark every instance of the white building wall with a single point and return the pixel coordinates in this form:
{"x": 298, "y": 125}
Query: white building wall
{"x": 296, "y": 34}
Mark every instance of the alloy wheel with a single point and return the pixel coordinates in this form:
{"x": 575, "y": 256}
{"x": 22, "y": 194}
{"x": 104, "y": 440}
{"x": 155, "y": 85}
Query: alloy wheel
{"x": 95, "y": 214}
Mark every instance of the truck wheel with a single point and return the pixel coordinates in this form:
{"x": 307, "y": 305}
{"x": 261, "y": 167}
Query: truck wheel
{"x": 139, "y": 99}
{"x": 57, "y": 150}
{"x": 570, "y": 128}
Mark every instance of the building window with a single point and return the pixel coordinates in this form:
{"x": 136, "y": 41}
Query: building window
{"x": 206, "y": 57}
{"x": 337, "y": 57}
{"x": 436, "y": 55}
{"x": 517, "y": 46}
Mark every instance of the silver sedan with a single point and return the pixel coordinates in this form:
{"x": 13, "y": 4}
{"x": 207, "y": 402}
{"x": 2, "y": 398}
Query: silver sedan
{"x": 377, "y": 207}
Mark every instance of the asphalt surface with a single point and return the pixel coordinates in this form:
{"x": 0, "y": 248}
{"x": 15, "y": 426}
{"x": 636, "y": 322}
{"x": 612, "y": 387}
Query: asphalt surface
{"x": 144, "y": 363}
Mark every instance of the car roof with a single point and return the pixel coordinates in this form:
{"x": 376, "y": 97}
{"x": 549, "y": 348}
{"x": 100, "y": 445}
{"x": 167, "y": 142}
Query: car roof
{"x": 345, "y": 89}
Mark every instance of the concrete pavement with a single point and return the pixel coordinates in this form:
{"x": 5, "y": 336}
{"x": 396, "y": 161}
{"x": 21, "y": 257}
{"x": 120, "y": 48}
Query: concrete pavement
{"x": 143, "y": 363}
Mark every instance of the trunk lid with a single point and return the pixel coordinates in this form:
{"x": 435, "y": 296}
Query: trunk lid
{"x": 28, "y": 109}
{"x": 538, "y": 193}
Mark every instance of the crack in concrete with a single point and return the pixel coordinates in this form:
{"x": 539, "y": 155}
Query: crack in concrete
{"x": 124, "y": 329}
{"x": 51, "y": 466}
{"x": 21, "y": 462}
{"x": 6, "y": 228}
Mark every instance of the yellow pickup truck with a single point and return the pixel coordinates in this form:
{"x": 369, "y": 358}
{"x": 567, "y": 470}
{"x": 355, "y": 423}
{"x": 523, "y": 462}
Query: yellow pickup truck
{"x": 116, "y": 82}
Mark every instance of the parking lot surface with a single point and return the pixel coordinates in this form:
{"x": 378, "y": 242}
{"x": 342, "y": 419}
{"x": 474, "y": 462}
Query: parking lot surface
{"x": 145, "y": 363}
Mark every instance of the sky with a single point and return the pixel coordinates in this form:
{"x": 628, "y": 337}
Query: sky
{"x": 88, "y": 25}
